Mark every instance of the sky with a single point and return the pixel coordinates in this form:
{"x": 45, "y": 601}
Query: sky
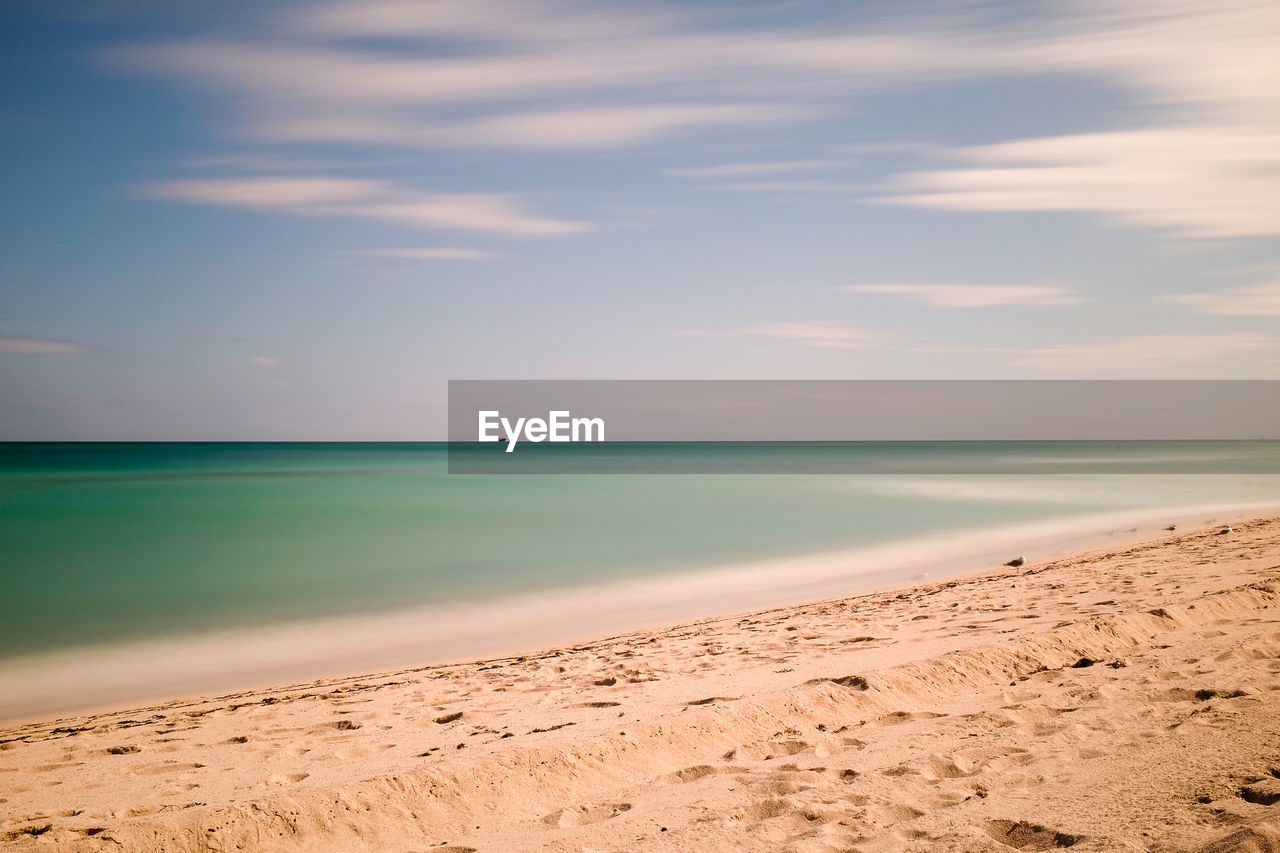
{"x": 299, "y": 220}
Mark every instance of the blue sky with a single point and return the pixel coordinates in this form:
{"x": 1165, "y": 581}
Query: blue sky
{"x": 298, "y": 220}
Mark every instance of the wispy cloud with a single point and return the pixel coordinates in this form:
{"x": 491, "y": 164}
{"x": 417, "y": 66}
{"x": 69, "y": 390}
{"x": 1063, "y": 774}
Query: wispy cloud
{"x": 575, "y": 75}
{"x": 821, "y": 334}
{"x": 429, "y": 254}
{"x": 365, "y": 199}
{"x": 559, "y": 129}
{"x": 1144, "y": 352}
{"x": 21, "y": 345}
{"x": 1208, "y": 167}
{"x": 601, "y": 76}
{"x": 975, "y": 295}
{"x": 1200, "y": 181}
{"x": 1200, "y": 157}
{"x": 1257, "y": 300}
{"x": 268, "y": 362}
{"x": 737, "y": 170}
{"x": 549, "y": 22}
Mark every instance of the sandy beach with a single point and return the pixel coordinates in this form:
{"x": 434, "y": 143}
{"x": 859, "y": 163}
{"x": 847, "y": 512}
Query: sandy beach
{"x": 593, "y": 426}
{"x": 1117, "y": 699}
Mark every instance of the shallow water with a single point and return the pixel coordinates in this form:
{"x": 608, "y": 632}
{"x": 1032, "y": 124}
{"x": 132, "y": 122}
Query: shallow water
{"x": 109, "y": 543}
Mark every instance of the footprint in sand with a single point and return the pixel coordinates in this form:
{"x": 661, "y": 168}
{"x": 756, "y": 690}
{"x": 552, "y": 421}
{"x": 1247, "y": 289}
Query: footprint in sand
{"x": 891, "y": 812}
{"x": 351, "y": 752}
{"x": 1029, "y": 836}
{"x": 898, "y": 717}
{"x": 1264, "y": 836}
{"x": 948, "y": 767}
{"x": 166, "y": 767}
{"x": 766, "y": 809}
{"x": 768, "y": 750}
{"x": 585, "y": 814}
{"x": 26, "y": 831}
{"x": 286, "y": 778}
{"x": 1263, "y": 792}
{"x": 344, "y": 725}
{"x": 692, "y": 774}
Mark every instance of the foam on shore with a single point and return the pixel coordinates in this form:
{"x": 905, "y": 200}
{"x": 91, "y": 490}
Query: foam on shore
{"x": 63, "y": 682}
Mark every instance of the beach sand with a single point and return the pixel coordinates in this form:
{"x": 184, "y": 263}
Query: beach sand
{"x": 1122, "y": 699}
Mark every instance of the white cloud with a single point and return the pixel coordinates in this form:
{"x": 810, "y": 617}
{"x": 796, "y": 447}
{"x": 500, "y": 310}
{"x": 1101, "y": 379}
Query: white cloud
{"x": 39, "y": 346}
{"x": 552, "y": 21}
{"x": 365, "y": 199}
{"x": 269, "y": 192}
{"x": 1196, "y": 154}
{"x": 1258, "y": 300}
{"x": 266, "y": 361}
{"x": 735, "y": 170}
{"x": 565, "y": 129}
{"x": 431, "y": 254}
{"x": 1144, "y": 352}
{"x": 1204, "y": 182}
{"x": 1217, "y": 58}
{"x": 596, "y": 76}
{"x": 1208, "y": 167}
{"x": 820, "y": 334}
{"x": 570, "y": 75}
{"x": 813, "y": 334}
{"x": 975, "y": 295}
{"x": 695, "y": 60}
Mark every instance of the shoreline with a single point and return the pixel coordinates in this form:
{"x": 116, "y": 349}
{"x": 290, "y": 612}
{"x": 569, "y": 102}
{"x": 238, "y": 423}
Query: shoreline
{"x": 36, "y": 688}
{"x": 990, "y": 710}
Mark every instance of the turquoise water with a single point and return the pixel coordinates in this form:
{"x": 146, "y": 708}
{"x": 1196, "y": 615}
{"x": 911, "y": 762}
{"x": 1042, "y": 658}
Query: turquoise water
{"x": 102, "y": 543}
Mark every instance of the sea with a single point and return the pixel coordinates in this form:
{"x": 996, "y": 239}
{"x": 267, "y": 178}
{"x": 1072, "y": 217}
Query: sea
{"x": 253, "y": 561}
